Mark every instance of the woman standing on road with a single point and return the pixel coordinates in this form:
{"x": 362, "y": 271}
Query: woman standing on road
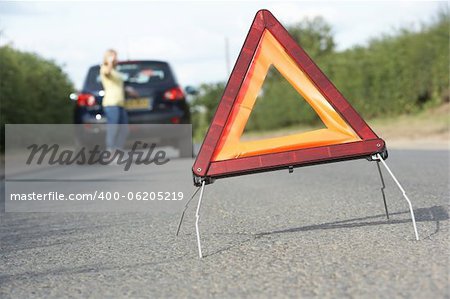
{"x": 113, "y": 102}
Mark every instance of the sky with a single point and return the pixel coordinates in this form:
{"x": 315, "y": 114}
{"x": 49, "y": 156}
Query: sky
{"x": 189, "y": 35}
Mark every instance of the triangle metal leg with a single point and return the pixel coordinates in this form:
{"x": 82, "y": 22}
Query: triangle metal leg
{"x": 184, "y": 210}
{"x": 383, "y": 186}
{"x": 378, "y": 156}
{"x": 197, "y": 218}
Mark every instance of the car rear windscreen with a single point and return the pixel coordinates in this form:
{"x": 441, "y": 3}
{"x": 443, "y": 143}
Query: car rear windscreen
{"x": 136, "y": 74}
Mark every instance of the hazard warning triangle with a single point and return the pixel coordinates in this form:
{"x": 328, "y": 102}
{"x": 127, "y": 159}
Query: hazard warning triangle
{"x": 223, "y": 154}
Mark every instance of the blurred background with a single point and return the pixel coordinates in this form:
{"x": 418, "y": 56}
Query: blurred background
{"x": 389, "y": 59}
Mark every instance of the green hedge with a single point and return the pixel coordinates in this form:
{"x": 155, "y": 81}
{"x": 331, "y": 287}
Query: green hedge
{"x": 32, "y": 90}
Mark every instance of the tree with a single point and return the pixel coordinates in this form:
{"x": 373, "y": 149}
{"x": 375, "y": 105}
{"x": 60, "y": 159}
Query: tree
{"x": 314, "y": 36}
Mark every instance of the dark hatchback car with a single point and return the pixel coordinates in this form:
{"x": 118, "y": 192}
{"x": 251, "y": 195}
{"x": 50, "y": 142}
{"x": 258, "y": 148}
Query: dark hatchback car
{"x": 161, "y": 99}
{"x": 157, "y": 99}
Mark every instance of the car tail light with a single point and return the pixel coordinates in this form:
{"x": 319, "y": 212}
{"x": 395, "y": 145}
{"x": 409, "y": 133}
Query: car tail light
{"x": 174, "y": 94}
{"x": 85, "y": 99}
{"x": 175, "y": 120}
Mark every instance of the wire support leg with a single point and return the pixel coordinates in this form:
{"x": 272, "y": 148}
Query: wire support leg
{"x": 383, "y": 186}
{"x": 184, "y": 211}
{"x": 197, "y": 217}
{"x": 404, "y": 195}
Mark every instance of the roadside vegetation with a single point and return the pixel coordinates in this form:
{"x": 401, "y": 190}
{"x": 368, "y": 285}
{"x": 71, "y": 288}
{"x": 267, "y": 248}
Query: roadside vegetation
{"x": 33, "y": 90}
{"x": 403, "y": 72}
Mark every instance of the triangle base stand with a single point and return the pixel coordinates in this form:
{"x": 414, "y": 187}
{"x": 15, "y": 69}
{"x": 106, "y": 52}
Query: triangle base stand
{"x": 378, "y": 158}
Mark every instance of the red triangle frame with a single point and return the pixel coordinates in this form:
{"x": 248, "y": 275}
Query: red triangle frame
{"x": 205, "y": 169}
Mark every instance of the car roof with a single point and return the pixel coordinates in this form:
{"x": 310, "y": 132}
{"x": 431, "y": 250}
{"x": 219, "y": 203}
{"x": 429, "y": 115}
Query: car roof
{"x": 144, "y": 61}
{"x": 136, "y": 61}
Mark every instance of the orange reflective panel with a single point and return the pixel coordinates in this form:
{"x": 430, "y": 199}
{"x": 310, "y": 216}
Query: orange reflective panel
{"x": 270, "y": 52}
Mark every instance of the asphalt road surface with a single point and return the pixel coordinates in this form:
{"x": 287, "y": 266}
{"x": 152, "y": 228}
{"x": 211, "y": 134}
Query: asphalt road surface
{"x": 319, "y": 232}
